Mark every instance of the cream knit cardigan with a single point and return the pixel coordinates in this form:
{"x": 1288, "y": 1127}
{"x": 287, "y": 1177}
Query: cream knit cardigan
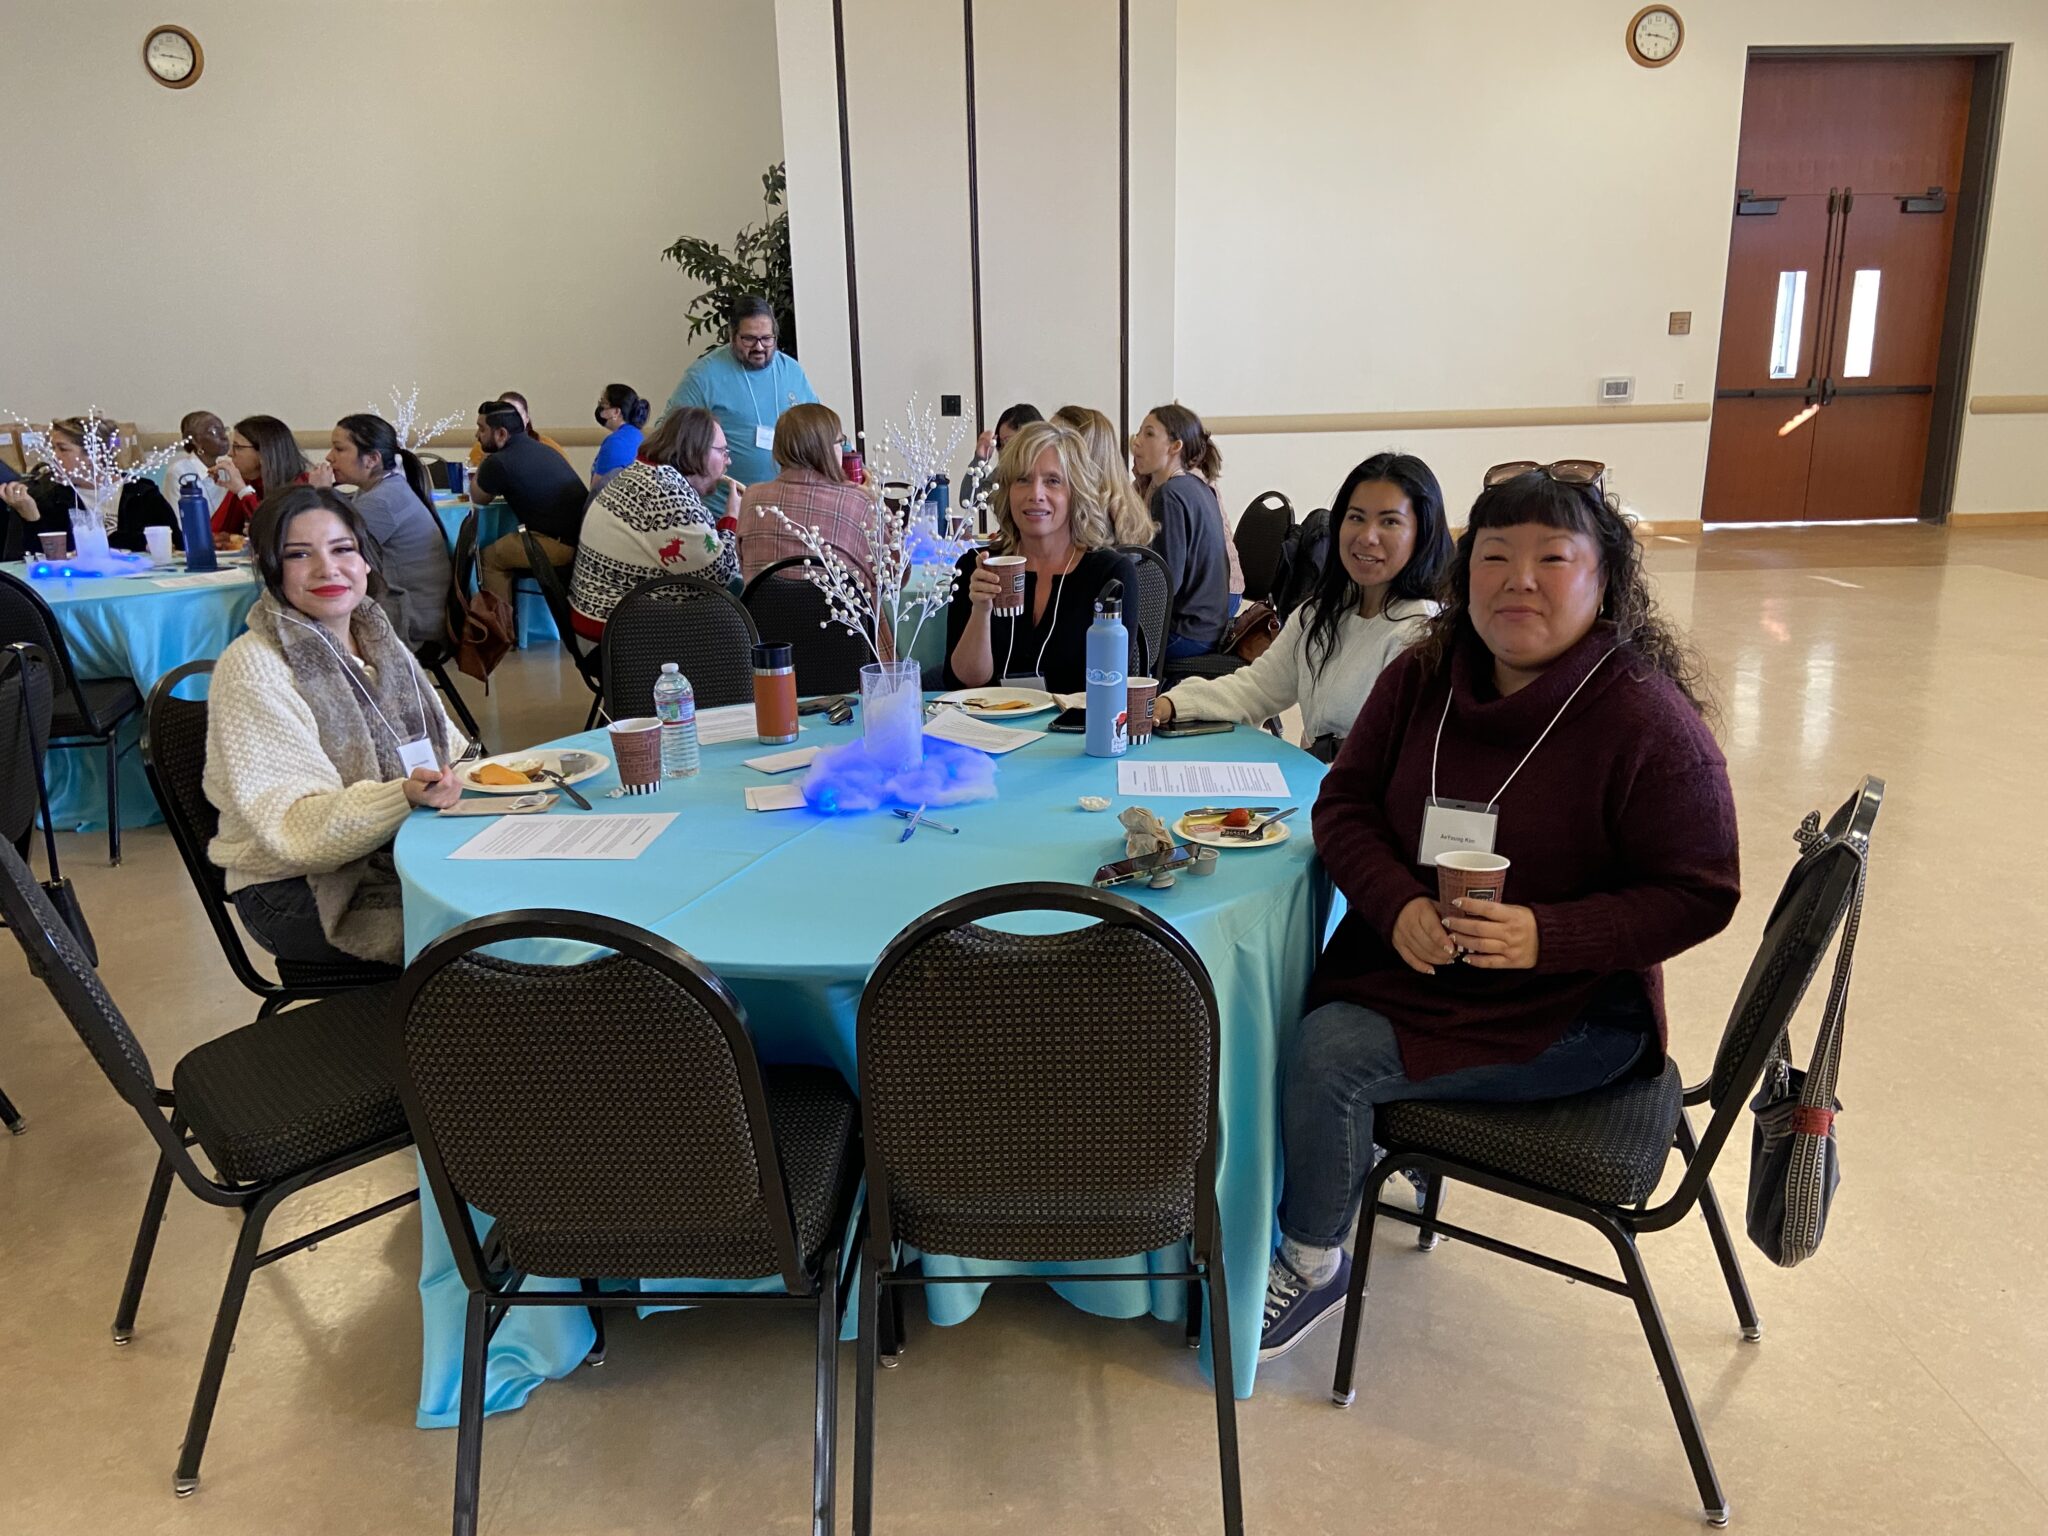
{"x": 284, "y": 810}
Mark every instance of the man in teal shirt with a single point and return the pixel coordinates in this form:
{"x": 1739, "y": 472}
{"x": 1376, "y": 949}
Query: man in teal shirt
{"x": 747, "y": 386}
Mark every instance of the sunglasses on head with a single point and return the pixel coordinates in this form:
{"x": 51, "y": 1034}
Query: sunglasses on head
{"x": 1588, "y": 472}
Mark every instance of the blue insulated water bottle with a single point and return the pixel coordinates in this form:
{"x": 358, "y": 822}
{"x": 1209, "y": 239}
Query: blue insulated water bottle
{"x": 1109, "y": 648}
{"x": 197, "y": 518}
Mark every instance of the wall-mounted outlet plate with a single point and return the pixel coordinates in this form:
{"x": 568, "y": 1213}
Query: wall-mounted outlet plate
{"x": 949, "y": 405}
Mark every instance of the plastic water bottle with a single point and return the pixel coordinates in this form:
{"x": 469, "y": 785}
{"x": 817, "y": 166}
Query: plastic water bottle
{"x": 1108, "y": 686}
{"x": 198, "y": 520}
{"x": 675, "y": 704}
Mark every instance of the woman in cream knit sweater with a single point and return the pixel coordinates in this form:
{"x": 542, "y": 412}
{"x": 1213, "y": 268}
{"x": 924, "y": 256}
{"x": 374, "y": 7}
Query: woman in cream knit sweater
{"x": 1388, "y": 547}
{"x": 322, "y": 736}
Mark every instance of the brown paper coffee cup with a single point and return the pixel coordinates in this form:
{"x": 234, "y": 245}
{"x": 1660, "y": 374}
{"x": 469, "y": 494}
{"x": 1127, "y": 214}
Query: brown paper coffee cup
{"x": 1142, "y": 694}
{"x": 636, "y": 748}
{"x": 1464, "y": 872}
{"x": 1009, "y": 601}
{"x": 55, "y": 545}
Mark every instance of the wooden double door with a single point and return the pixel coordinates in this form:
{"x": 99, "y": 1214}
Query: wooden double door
{"x": 1838, "y": 282}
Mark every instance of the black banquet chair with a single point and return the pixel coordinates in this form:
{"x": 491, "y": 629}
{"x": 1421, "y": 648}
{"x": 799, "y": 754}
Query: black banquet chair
{"x": 666, "y": 1149}
{"x": 696, "y": 624}
{"x": 1260, "y": 533}
{"x": 1599, "y": 1157}
{"x": 1006, "y": 1119}
{"x": 25, "y": 706}
{"x": 174, "y": 759}
{"x": 276, "y": 1107}
{"x": 89, "y": 712}
{"x": 1148, "y": 612}
{"x": 584, "y": 656}
{"x": 787, "y": 606}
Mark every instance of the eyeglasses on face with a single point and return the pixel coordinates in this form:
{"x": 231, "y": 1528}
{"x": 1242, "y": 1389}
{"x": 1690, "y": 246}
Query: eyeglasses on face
{"x": 1565, "y": 471}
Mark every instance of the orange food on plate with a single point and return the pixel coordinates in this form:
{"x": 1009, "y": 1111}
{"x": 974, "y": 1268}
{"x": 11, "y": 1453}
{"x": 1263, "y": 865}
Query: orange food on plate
{"x": 498, "y": 773}
{"x": 1238, "y": 818}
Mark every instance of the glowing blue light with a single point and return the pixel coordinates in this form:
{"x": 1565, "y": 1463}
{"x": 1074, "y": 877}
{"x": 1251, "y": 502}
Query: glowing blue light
{"x": 845, "y": 780}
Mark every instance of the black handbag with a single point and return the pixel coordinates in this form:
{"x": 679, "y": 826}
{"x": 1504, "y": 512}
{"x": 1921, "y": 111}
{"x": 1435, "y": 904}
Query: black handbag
{"x": 1794, "y": 1159}
{"x": 62, "y": 896}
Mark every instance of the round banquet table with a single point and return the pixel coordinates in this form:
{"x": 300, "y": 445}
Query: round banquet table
{"x": 793, "y": 908}
{"x": 139, "y": 627}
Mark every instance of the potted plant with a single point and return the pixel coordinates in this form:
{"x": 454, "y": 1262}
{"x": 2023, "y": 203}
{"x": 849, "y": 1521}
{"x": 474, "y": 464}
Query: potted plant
{"x": 757, "y": 264}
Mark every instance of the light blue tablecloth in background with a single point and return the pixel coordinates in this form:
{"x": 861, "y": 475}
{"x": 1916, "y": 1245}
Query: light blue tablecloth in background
{"x": 792, "y": 910}
{"x": 536, "y": 625}
{"x": 128, "y": 626}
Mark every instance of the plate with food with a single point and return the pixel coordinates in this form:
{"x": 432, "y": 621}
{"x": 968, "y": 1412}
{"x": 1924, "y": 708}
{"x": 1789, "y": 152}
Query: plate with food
{"x": 1241, "y": 826}
{"x": 1000, "y": 703}
{"x": 520, "y": 773}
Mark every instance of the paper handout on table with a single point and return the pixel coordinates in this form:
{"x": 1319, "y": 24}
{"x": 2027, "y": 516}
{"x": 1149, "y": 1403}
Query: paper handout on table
{"x": 966, "y": 731}
{"x": 775, "y": 797}
{"x": 783, "y": 762}
{"x": 625, "y": 836}
{"x": 729, "y": 722}
{"x": 1207, "y": 781}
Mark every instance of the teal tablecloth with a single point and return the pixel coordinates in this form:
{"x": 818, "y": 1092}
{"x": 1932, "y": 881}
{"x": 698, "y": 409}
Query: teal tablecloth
{"x": 535, "y": 624}
{"x": 128, "y": 626}
{"x": 792, "y": 909}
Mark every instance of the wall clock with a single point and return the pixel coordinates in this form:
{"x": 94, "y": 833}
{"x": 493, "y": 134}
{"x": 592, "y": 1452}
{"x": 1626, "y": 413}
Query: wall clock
{"x": 172, "y": 56}
{"x": 1655, "y": 34}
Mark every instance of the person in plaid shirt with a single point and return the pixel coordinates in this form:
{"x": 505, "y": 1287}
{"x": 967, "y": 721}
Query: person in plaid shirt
{"x": 813, "y": 492}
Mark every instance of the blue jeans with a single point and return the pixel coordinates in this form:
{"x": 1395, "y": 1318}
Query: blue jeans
{"x": 281, "y": 916}
{"x": 1181, "y": 646}
{"x": 1344, "y": 1060}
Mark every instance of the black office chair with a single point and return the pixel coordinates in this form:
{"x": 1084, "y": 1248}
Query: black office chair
{"x": 588, "y": 658}
{"x": 666, "y": 1149}
{"x": 786, "y": 605}
{"x": 25, "y": 706}
{"x": 174, "y": 759}
{"x": 89, "y": 712}
{"x": 696, "y": 624}
{"x": 1260, "y": 534}
{"x": 277, "y": 1106}
{"x": 1598, "y": 1157}
{"x": 1004, "y": 1120}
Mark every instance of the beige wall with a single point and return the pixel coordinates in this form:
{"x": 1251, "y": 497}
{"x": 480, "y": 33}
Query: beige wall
{"x": 1490, "y": 207}
{"x": 359, "y": 193}
{"x": 1046, "y": 95}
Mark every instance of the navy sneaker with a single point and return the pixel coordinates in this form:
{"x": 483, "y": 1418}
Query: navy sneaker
{"x": 1294, "y": 1307}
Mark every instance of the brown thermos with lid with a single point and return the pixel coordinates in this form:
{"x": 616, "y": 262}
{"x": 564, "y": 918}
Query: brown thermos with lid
{"x": 774, "y": 693}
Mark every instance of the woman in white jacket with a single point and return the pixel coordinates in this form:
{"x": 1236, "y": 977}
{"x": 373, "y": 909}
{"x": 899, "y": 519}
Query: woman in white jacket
{"x": 322, "y": 736}
{"x": 1389, "y": 543}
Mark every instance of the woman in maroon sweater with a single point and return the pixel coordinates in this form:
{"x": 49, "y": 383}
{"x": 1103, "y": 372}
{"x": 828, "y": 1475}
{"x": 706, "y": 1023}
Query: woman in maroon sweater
{"x": 1549, "y": 690}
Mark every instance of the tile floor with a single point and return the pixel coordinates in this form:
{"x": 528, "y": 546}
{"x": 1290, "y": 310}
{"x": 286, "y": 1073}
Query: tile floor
{"x": 1901, "y": 1386}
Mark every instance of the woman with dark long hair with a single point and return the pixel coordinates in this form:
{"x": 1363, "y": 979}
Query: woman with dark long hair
{"x": 1387, "y": 552}
{"x": 622, "y": 413}
{"x": 1548, "y": 715}
{"x": 1177, "y": 465}
{"x": 322, "y": 736}
{"x": 263, "y": 456}
{"x": 395, "y": 500}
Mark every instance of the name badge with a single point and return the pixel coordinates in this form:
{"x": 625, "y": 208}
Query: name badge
{"x": 764, "y": 436}
{"x": 418, "y": 753}
{"x": 1037, "y": 683}
{"x": 1449, "y": 826}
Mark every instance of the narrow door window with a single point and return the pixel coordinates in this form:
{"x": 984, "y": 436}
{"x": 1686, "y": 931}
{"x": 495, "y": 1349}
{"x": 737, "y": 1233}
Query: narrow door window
{"x": 1787, "y": 323}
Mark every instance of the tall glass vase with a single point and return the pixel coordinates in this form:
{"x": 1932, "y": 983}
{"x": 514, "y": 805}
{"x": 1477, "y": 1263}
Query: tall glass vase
{"x": 892, "y": 713}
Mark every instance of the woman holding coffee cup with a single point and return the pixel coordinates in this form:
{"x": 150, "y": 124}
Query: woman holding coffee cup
{"x": 1020, "y": 615}
{"x": 1390, "y": 545}
{"x": 1548, "y": 716}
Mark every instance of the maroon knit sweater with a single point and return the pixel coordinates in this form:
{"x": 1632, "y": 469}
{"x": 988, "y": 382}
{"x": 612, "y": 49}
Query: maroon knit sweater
{"x": 1621, "y": 833}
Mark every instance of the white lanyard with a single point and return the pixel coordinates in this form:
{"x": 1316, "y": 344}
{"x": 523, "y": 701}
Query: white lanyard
{"x": 1438, "y": 748}
{"x": 1038, "y": 670}
{"x": 363, "y": 691}
{"x": 754, "y": 399}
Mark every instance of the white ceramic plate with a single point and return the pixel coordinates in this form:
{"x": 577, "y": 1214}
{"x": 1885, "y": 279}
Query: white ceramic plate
{"x": 550, "y": 757}
{"x": 1210, "y": 834}
{"x": 1007, "y": 703}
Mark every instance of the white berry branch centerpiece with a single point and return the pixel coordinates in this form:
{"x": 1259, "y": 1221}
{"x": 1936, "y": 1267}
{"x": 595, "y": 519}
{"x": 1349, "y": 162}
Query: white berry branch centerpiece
{"x": 888, "y": 604}
{"x": 403, "y": 412}
{"x": 98, "y": 482}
